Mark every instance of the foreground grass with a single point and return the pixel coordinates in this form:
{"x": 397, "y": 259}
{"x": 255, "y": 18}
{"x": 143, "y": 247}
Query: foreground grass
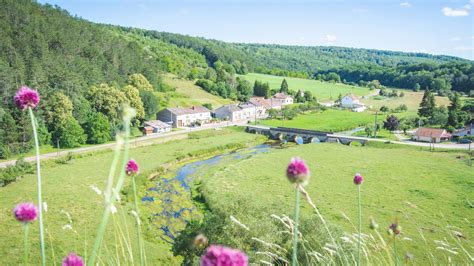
{"x": 67, "y": 189}
{"x": 428, "y": 192}
{"x": 324, "y": 91}
{"x": 187, "y": 94}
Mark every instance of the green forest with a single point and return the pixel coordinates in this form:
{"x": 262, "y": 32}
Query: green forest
{"x": 85, "y": 71}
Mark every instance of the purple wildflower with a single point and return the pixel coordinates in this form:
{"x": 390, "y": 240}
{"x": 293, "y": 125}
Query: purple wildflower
{"x": 223, "y": 256}
{"x": 297, "y": 171}
{"x": 73, "y": 260}
{"x": 358, "y": 179}
{"x": 132, "y": 167}
{"x": 395, "y": 229}
{"x": 25, "y": 212}
{"x": 26, "y": 97}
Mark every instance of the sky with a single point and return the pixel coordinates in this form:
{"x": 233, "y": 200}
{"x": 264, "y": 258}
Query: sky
{"x": 428, "y": 26}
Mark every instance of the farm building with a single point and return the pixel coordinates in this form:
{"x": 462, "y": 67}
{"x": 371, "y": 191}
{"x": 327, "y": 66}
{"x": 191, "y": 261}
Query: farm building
{"x": 467, "y": 131}
{"x": 352, "y": 102}
{"x": 434, "y": 135}
{"x": 184, "y": 117}
{"x": 156, "y": 126}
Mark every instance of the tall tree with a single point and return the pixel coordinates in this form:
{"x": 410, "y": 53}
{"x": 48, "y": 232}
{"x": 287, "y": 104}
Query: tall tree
{"x": 107, "y": 100}
{"x": 284, "y": 86}
{"x": 244, "y": 90}
{"x": 391, "y": 123}
{"x": 456, "y": 116}
{"x": 97, "y": 128}
{"x": 150, "y": 104}
{"x": 133, "y": 98}
{"x": 427, "y": 105}
{"x": 140, "y": 82}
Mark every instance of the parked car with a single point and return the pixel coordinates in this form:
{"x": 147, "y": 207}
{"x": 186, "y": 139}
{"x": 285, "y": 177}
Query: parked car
{"x": 465, "y": 141}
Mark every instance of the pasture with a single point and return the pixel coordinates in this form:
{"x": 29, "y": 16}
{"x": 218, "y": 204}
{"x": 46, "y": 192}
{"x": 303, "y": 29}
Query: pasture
{"x": 187, "y": 94}
{"x": 429, "y": 192}
{"x": 324, "y": 91}
{"x": 411, "y": 99}
{"x": 67, "y": 190}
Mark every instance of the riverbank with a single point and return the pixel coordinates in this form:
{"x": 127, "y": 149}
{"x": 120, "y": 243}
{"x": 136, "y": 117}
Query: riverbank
{"x": 68, "y": 188}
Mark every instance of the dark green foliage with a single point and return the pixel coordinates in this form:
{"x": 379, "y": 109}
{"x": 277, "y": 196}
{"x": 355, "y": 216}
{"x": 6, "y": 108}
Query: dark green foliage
{"x": 284, "y": 86}
{"x": 439, "y": 117}
{"x": 456, "y": 116}
{"x": 97, "y": 128}
{"x": 384, "y": 109}
{"x": 244, "y": 90}
{"x": 12, "y": 173}
{"x": 427, "y": 105}
{"x": 150, "y": 103}
{"x": 391, "y": 123}
{"x": 261, "y": 89}
{"x": 69, "y": 135}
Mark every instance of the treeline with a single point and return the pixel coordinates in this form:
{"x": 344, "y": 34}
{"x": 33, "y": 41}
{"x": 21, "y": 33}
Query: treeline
{"x": 441, "y": 78}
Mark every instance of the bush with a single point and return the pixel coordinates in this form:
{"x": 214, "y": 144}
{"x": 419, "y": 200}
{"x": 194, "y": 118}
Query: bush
{"x": 13, "y": 172}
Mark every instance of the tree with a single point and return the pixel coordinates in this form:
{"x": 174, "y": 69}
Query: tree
{"x": 69, "y": 134}
{"x": 140, "y": 82}
{"x": 133, "y": 98}
{"x": 439, "y": 117}
{"x": 384, "y": 109}
{"x": 97, "y": 128}
{"x": 150, "y": 104}
{"x": 333, "y": 77}
{"x": 244, "y": 90}
{"x": 339, "y": 99}
{"x": 368, "y": 131}
{"x": 427, "y": 105}
{"x": 374, "y": 85}
{"x": 211, "y": 74}
{"x": 391, "y": 123}
{"x": 284, "y": 86}
{"x": 57, "y": 109}
{"x": 308, "y": 96}
{"x": 261, "y": 89}
{"x": 288, "y": 112}
{"x": 456, "y": 116}
{"x": 416, "y": 87}
{"x": 107, "y": 100}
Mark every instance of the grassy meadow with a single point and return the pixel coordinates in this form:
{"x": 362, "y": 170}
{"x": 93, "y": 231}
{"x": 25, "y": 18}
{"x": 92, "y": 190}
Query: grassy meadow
{"x": 411, "y": 99}
{"x": 187, "y": 94}
{"x": 329, "y": 120}
{"x": 429, "y": 192}
{"x": 67, "y": 192}
{"x": 324, "y": 91}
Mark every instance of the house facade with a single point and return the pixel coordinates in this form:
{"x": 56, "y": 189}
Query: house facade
{"x": 261, "y": 106}
{"x": 280, "y": 99}
{"x": 185, "y": 117}
{"x": 433, "y": 135}
{"x": 352, "y": 102}
{"x": 156, "y": 126}
{"x": 467, "y": 131}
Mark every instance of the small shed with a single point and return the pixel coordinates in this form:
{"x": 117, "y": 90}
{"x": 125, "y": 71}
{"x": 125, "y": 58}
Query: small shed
{"x": 156, "y": 126}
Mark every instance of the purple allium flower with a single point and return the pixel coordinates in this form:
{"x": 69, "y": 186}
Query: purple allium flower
{"x": 223, "y": 256}
{"x": 26, "y": 97}
{"x": 73, "y": 260}
{"x": 297, "y": 171}
{"x": 132, "y": 167}
{"x": 25, "y": 212}
{"x": 358, "y": 179}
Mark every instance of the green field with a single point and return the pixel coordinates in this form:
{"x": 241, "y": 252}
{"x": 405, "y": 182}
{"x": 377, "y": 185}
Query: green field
{"x": 411, "y": 99}
{"x": 430, "y": 193}
{"x": 67, "y": 188}
{"x": 324, "y": 91}
{"x": 187, "y": 94}
{"x": 329, "y": 120}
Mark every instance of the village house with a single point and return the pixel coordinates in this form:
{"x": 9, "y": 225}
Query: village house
{"x": 352, "y": 102}
{"x": 185, "y": 117}
{"x": 433, "y": 135}
{"x": 155, "y": 126}
{"x": 467, "y": 131}
{"x": 261, "y": 106}
{"x": 281, "y": 98}
{"x": 236, "y": 112}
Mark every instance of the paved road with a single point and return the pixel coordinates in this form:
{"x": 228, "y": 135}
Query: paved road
{"x": 135, "y": 141}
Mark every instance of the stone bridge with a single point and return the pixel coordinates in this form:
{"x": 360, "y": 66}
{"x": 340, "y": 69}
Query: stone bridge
{"x": 301, "y": 136}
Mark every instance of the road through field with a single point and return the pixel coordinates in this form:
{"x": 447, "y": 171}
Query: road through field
{"x": 136, "y": 141}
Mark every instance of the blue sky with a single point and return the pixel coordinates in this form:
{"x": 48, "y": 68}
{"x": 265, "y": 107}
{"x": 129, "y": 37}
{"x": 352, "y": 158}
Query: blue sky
{"x": 432, "y": 26}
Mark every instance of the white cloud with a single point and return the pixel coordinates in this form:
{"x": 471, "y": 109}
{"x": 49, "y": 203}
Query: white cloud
{"x": 405, "y": 4}
{"x": 329, "y": 38}
{"x": 455, "y": 39}
{"x": 456, "y": 12}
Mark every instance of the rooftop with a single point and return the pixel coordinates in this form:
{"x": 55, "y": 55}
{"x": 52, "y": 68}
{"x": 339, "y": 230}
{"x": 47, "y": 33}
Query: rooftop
{"x": 432, "y": 132}
{"x": 157, "y": 124}
{"x": 281, "y": 95}
{"x": 190, "y": 110}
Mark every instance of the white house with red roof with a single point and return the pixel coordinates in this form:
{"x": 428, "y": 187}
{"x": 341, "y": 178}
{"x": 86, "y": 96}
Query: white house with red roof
{"x": 281, "y": 98}
{"x": 352, "y": 102}
{"x": 433, "y": 135}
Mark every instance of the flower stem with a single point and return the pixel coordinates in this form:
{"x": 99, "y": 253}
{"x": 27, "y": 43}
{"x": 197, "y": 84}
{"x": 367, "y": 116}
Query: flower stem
{"x": 38, "y": 173}
{"x": 111, "y": 200}
{"x": 295, "y": 230}
{"x": 139, "y": 231}
{"x": 360, "y": 227}
{"x": 395, "y": 250}
{"x": 25, "y": 258}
